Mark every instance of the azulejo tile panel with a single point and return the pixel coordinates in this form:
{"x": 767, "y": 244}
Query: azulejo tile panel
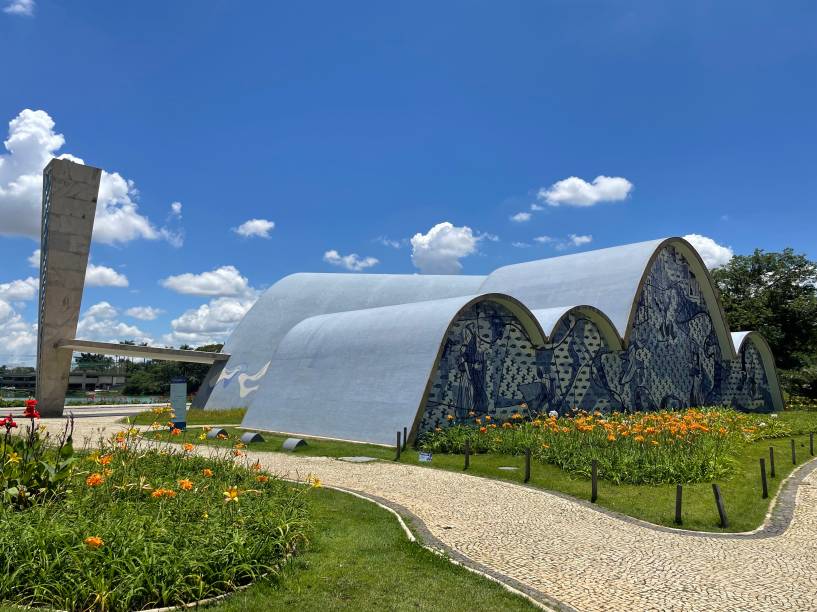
{"x": 489, "y": 366}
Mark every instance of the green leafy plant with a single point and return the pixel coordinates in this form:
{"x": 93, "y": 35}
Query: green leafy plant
{"x": 694, "y": 445}
{"x": 32, "y": 470}
{"x": 143, "y": 525}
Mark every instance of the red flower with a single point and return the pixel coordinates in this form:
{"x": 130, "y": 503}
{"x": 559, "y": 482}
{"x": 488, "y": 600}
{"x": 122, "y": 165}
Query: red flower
{"x": 8, "y": 423}
{"x": 31, "y": 409}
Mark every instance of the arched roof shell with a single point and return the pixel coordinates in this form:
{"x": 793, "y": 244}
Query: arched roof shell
{"x": 363, "y": 374}
{"x": 611, "y": 280}
{"x": 300, "y": 296}
{"x": 549, "y": 319}
{"x": 740, "y": 340}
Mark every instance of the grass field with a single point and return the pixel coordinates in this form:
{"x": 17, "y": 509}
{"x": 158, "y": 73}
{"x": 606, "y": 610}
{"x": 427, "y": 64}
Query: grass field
{"x": 194, "y": 417}
{"x": 744, "y": 505}
{"x": 360, "y": 559}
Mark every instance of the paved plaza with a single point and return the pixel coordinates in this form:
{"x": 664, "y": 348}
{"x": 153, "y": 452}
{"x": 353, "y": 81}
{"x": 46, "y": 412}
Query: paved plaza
{"x": 568, "y": 555}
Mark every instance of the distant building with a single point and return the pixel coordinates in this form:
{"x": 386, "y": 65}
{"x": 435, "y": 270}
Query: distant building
{"x": 78, "y": 380}
{"x": 19, "y": 379}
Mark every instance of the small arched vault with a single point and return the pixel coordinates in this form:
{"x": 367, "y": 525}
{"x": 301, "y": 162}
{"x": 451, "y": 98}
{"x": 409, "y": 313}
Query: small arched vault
{"x": 360, "y": 356}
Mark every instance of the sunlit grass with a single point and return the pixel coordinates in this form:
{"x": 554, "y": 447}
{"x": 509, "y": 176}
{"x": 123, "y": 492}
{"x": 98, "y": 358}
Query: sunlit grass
{"x": 193, "y": 417}
{"x": 360, "y": 559}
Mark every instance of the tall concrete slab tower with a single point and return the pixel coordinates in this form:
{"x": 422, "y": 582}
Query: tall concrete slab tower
{"x": 70, "y": 192}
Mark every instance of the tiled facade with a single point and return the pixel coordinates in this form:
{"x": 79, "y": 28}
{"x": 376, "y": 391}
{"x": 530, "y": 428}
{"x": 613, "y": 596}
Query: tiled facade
{"x": 672, "y": 360}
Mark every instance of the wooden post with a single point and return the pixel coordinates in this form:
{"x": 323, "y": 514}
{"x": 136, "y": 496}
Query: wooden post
{"x": 763, "y": 478}
{"x": 527, "y": 465}
{"x": 719, "y": 502}
{"x": 679, "y": 491}
{"x": 793, "y": 453}
{"x": 771, "y": 461}
{"x": 467, "y": 454}
{"x": 405, "y": 437}
{"x": 399, "y": 446}
{"x": 594, "y": 481}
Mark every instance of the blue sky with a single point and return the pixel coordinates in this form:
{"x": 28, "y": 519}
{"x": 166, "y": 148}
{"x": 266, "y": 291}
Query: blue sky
{"x": 359, "y": 128}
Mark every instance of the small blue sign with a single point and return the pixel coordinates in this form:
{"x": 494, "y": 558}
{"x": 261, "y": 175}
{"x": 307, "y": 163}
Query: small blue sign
{"x": 425, "y": 457}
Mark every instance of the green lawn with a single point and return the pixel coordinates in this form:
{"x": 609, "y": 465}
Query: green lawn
{"x": 360, "y": 559}
{"x": 194, "y": 417}
{"x": 744, "y": 505}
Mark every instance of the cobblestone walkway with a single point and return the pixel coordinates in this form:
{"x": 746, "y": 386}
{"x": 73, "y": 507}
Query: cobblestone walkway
{"x": 569, "y": 555}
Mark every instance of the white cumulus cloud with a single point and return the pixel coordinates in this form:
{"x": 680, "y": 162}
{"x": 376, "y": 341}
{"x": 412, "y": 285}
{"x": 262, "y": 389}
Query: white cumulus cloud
{"x": 574, "y": 191}
{"x": 34, "y": 259}
{"x": 103, "y": 276}
{"x": 352, "y": 262}
{"x": 521, "y": 217}
{"x": 579, "y": 239}
{"x": 714, "y": 255}
{"x": 225, "y": 281}
{"x": 100, "y": 322}
{"x": 440, "y": 249}
{"x": 31, "y": 144}
{"x": 255, "y": 227}
{"x": 19, "y": 344}
{"x": 144, "y": 313}
{"x": 20, "y": 7}
{"x": 394, "y": 244}
{"x": 21, "y": 290}
{"x": 209, "y": 323}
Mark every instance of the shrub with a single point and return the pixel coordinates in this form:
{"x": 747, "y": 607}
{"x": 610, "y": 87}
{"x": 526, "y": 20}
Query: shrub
{"x": 145, "y": 526}
{"x": 31, "y": 469}
{"x": 799, "y": 402}
{"x": 637, "y": 448}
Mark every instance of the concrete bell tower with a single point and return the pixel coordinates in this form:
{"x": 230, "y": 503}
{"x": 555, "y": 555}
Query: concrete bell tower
{"x": 70, "y": 192}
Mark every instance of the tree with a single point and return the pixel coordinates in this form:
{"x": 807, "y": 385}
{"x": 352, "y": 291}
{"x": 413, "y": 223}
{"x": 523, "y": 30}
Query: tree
{"x": 776, "y": 295}
{"x": 153, "y": 377}
{"x": 93, "y": 361}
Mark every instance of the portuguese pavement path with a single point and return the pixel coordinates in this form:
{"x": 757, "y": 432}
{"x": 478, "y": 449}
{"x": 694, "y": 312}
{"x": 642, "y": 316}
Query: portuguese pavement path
{"x": 569, "y": 555}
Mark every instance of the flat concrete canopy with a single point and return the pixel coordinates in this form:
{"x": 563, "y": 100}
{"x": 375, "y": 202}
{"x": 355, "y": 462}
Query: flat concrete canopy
{"x": 148, "y": 352}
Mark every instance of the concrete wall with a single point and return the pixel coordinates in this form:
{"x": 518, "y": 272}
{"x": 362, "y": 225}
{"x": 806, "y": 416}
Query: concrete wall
{"x": 69, "y": 204}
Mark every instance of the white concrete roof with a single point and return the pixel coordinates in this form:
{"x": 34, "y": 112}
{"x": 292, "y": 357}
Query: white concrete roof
{"x": 609, "y": 280}
{"x": 359, "y": 374}
{"x": 351, "y": 355}
{"x": 549, "y": 318}
{"x": 300, "y": 296}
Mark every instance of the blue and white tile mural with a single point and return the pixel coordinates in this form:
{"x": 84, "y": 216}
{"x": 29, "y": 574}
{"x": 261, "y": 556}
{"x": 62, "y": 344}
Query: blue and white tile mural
{"x": 673, "y": 360}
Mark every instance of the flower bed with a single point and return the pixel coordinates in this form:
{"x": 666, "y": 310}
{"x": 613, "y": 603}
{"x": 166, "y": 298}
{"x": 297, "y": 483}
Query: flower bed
{"x": 637, "y": 448}
{"x": 797, "y": 402}
{"x": 132, "y": 526}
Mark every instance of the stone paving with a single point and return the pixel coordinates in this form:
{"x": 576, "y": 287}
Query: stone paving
{"x": 569, "y": 555}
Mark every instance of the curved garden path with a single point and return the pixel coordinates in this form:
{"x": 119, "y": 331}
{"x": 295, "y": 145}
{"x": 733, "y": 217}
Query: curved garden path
{"x": 569, "y": 555}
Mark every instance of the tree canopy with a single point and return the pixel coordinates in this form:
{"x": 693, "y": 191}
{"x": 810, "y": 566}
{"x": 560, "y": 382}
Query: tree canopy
{"x": 776, "y": 295}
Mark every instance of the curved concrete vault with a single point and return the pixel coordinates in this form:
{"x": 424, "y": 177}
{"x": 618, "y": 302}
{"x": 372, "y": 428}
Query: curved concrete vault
{"x": 360, "y": 356}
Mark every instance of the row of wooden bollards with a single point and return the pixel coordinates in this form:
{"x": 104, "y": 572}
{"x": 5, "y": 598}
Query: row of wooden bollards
{"x": 764, "y": 485}
{"x": 679, "y": 490}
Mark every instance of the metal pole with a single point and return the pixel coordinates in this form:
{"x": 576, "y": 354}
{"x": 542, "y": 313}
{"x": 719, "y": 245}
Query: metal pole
{"x": 719, "y": 502}
{"x": 679, "y": 492}
{"x": 763, "y": 478}
{"x": 594, "y": 484}
{"x": 467, "y": 454}
{"x": 771, "y": 461}
{"x": 527, "y": 465}
{"x": 405, "y": 437}
{"x": 793, "y": 453}
{"x": 399, "y": 446}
